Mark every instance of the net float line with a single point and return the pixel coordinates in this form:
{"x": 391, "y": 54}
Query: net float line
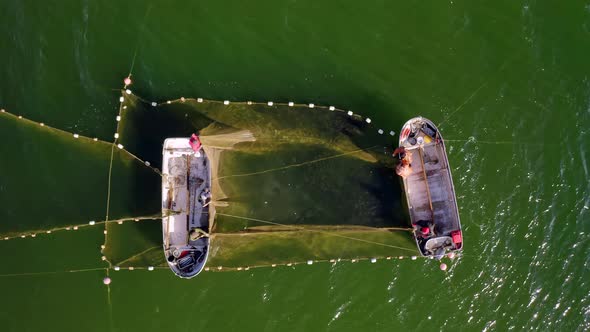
{"x": 35, "y": 233}
{"x": 271, "y": 104}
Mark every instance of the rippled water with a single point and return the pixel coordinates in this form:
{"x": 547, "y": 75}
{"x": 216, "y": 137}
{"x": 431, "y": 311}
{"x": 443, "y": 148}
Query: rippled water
{"x": 508, "y": 82}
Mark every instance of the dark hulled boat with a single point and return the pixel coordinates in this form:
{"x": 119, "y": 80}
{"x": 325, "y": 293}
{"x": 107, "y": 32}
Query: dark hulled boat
{"x": 429, "y": 189}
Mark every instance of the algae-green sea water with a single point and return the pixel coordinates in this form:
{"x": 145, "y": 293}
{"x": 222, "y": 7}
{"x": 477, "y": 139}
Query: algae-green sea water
{"x": 507, "y": 82}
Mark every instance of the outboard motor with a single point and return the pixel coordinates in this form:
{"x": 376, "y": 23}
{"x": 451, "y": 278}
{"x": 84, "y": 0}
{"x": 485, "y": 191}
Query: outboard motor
{"x": 186, "y": 261}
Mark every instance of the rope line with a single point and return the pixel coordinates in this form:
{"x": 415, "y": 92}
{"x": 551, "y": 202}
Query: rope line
{"x": 137, "y": 255}
{"x": 75, "y": 227}
{"x": 485, "y": 83}
{"x": 498, "y": 142}
{"x": 294, "y": 165}
{"x": 317, "y": 231}
{"x": 156, "y": 170}
{"x": 51, "y": 272}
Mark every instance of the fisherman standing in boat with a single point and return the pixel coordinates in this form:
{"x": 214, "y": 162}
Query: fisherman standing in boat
{"x": 404, "y": 168}
{"x": 423, "y": 228}
{"x": 205, "y": 197}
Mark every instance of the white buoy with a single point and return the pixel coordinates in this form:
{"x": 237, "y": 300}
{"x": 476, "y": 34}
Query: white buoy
{"x": 154, "y": 104}
{"x": 311, "y": 105}
{"x": 332, "y": 261}
{"x": 291, "y": 104}
{"x": 168, "y": 102}
{"x": 240, "y": 268}
{"x": 401, "y": 257}
{"x": 274, "y": 265}
{"x": 150, "y": 268}
{"x": 392, "y": 133}
{"x": 368, "y": 120}
{"x": 105, "y": 232}
{"x": 147, "y": 163}
{"x": 6, "y": 238}
{"x": 226, "y": 102}
{"x": 388, "y": 258}
{"x": 380, "y": 131}
{"x": 199, "y": 100}
{"x": 289, "y": 264}
{"x": 350, "y": 113}
{"x": 117, "y": 268}
{"x": 127, "y": 80}
{"x": 118, "y": 118}
{"x": 249, "y": 102}
{"x": 373, "y": 260}
{"x": 206, "y": 269}
{"x": 332, "y": 108}
{"x": 121, "y": 99}
{"x": 106, "y": 281}
{"x": 76, "y": 135}
{"x": 443, "y": 267}
{"x": 120, "y": 146}
{"x": 48, "y": 232}
{"x": 95, "y": 139}
{"x": 116, "y": 135}
{"x": 42, "y": 124}
{"x": 92, "y": 222}
{"x": 102, "y": 246}
{"x": 136, "y": 219}
{"x": 2, "y": 110}
{"x": 414, "y": 258}
{"x": 353, "y": 260}
{"x": 75, "y": 228}
{"x": 68, "y": 228}
{"x": 247, "y": 268}
{"x": 131, "y": 268}
{"x": 33, "y": 235}
{"x": 120, "y": 222}
{"x": 182, "y": 99}
{"x": 103, "y": 258}
{"x": 128, "y": 91}
{"x": 270, "y": 103}
{"x": 309, "y": 262}
{"x": 20, "y": 116}
{"x": 219, "y": 267}
{"x": 22, "y": 236}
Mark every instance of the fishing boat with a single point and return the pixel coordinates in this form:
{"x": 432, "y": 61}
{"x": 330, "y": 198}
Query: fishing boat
{"x": 428, "y": 185}
{"x": 186, "y": 199}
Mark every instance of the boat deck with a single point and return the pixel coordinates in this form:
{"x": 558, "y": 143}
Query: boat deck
{"x": 429, "y": 188}
{"x": 186, "y": 179}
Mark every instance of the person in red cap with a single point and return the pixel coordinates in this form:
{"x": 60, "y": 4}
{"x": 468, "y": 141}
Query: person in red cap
{"x": 423, "y": 228}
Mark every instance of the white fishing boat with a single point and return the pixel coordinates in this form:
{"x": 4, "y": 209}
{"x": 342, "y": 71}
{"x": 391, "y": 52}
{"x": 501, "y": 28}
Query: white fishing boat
{"x": 186, "y": 199}
{"x": 428, "y": 185}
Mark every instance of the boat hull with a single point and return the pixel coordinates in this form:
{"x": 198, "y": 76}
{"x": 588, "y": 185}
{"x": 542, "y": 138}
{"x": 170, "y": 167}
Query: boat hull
{"x": 186, "y": 198}
{"x": 428, "y": 186}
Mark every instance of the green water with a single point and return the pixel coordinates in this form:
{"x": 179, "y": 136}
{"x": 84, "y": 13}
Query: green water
{"x": 508, "y": 83}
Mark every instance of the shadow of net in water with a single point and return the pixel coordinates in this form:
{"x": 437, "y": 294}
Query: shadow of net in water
{"x": 54, "y": 179}
{"x": 290, "y": 183}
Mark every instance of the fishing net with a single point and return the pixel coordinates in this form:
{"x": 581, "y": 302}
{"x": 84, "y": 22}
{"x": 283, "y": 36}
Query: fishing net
{"x": 291, "y": 184}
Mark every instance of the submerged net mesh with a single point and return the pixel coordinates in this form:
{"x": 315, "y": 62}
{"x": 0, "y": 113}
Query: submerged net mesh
{"x": 290, "y": 183}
